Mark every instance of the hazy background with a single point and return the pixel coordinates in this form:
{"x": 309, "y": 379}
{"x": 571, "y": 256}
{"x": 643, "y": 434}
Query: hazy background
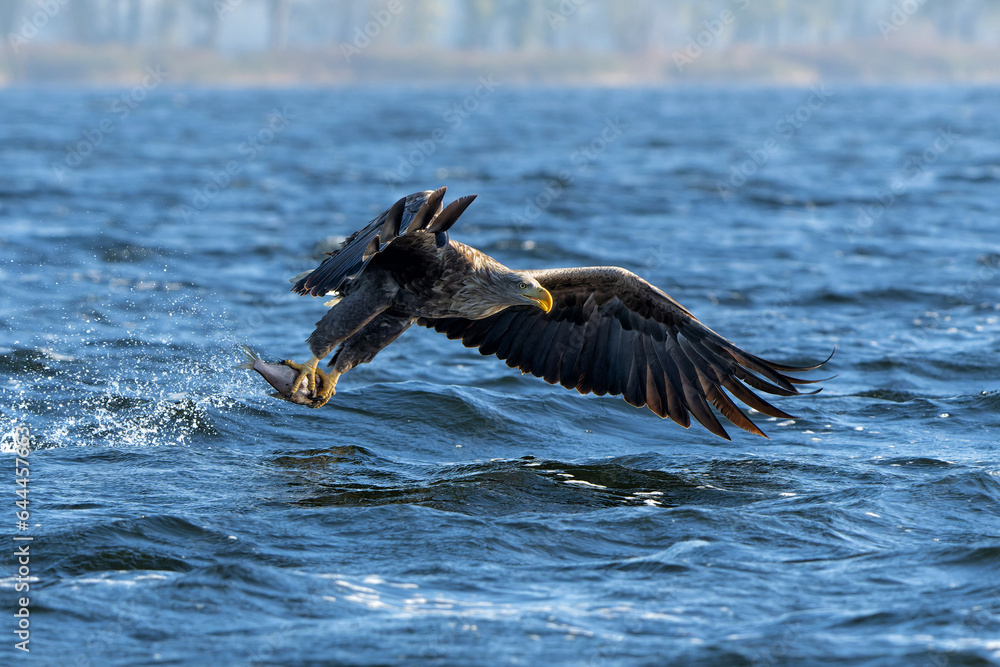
{"x": 590, "y": 41}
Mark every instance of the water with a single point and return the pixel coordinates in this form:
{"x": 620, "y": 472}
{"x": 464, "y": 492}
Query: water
{"x": 442, "y": 509}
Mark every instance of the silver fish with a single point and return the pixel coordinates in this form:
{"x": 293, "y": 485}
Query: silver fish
{"x": 279, "y": 376}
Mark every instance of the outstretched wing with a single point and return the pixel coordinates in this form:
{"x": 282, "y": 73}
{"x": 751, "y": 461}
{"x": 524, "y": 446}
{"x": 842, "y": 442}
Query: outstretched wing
{"x": 419, "y": 212}
{"x": 611, "y": 332}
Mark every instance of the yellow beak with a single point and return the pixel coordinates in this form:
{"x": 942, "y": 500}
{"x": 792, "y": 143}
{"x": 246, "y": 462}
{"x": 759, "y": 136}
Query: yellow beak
{"x": 542, "y": 297}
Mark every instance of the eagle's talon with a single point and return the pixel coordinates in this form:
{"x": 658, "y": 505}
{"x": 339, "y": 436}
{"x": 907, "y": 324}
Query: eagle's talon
{"x": 307, "y": 374}
{"x": 326, "y": 386}
{"x": 320, "y": 385}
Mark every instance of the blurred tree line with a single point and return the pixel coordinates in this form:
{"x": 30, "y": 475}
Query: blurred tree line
{"x": 599, "y": 25}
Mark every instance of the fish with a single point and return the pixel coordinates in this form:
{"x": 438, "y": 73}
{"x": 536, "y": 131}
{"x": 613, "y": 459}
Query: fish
{"x": 280, "y": 376}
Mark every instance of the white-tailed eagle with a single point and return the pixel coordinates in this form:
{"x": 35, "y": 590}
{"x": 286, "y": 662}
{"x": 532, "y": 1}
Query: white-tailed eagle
{"x": 601, "y": 330}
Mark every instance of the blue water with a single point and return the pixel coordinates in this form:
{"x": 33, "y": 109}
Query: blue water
{"x": 443, "y": 509}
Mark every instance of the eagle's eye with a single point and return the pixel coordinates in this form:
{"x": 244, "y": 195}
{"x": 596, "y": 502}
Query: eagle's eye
{"x": 522, "y": 286}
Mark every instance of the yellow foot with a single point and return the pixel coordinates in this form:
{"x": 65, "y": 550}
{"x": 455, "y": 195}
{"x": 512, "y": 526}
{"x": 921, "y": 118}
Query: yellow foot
{"x": 307, "y": 374}
{"x": 319, "y": 384}
{"x": 326, "y": 387}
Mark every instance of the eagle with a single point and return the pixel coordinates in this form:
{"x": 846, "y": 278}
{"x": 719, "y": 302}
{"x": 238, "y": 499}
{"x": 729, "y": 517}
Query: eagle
{"x": 601, "y": 330}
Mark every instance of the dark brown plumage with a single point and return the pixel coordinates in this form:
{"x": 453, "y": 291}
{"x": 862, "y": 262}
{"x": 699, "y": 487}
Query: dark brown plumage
{"x": 603, "y": 330}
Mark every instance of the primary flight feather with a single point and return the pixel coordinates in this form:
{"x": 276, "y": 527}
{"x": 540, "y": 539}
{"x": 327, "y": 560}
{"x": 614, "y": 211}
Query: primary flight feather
{"x": 603, "y": 330}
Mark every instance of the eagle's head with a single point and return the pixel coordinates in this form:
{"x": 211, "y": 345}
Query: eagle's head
{"x": 488, "y": 292}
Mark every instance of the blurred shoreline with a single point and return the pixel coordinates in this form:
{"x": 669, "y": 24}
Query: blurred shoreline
{"x": 871, "y": 62}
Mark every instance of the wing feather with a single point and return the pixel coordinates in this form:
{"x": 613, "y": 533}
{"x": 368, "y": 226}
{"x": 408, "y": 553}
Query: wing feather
{"x": 727, "y": 373}
{"x": 553, "y": 361}
{"x": 605, "y": 350}
{"x": 493, "y": 337}
{"x": 673, "y": 385}
{"x": 520, "y": 352}
{"x": 634, "y": 390}
{"x": 657, "y": 398}
{"x": 543, "y": 350}
{"x": 610, "y": 332}
{"x": 589, "y": 340}
{"x": 694, "y": 393}
{"x": 712, "y": 383}
{"x": 419, "y": 212}
{"x": 620, "y": 369}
